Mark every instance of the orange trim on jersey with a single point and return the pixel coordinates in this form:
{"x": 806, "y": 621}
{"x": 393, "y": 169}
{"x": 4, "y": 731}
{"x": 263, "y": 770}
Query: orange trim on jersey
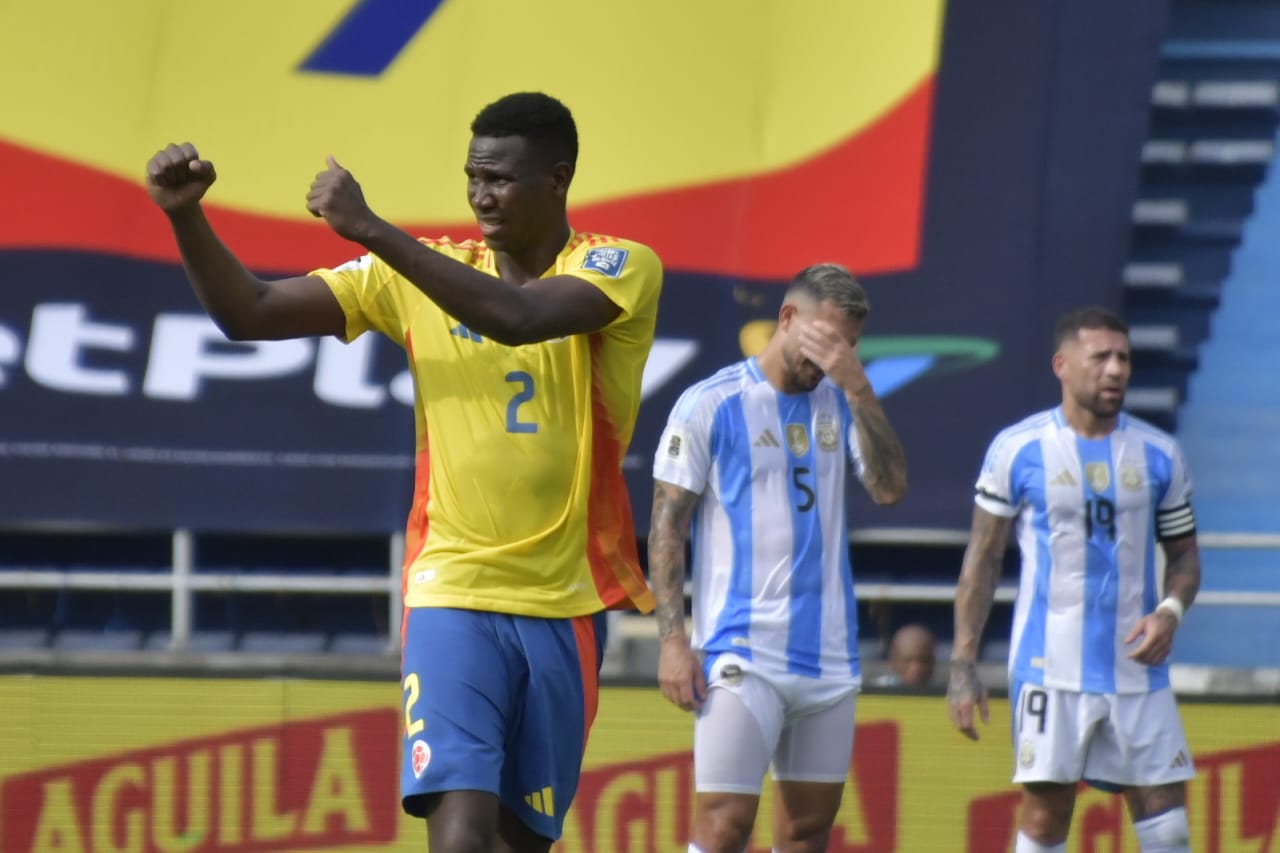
{"x": 584, "y": 632}
{"x": 416, "y": 527}
{"x": 611, "y": 534}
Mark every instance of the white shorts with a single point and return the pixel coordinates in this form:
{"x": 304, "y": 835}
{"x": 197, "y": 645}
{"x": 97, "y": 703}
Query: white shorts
{"x": 751, "y": 718}
{"x": 1107, "y": 739}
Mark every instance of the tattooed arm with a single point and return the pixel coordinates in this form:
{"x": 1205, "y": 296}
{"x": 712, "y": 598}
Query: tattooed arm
{"x": 679, "y": 671}
{"x": 1181, "y": 582}
{"x": 976, "y": 591}
{"x": 1182, "y": 569}
{"x": 884, "y": 462}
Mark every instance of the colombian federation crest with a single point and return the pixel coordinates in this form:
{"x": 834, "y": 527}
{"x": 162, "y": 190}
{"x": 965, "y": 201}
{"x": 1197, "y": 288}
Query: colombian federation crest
{"x": 1099, "y": 476}
{"x": 827, "y": 434}
{"x": 797, "y": 439}
{"x": 421, "y": 758}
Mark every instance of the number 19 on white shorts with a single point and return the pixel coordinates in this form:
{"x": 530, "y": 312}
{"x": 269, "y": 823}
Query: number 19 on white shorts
{"x": 1126, "y": 739}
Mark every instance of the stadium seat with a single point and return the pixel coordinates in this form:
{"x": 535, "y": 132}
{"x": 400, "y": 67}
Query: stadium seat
{"x": 994, "y": 651}
{"x": 282, "y": 643}
{"x": 359, "y": 644}
{"x": 202, "y": 642}
{"x": 869, "y": 650}
{"x": 13, "y": 639}
{"x": 74, "y": 639}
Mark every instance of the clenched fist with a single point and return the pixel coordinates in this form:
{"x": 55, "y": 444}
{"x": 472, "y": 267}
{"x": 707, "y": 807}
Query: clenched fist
{"x": 177, "y": 178}
{"x": 336, "y": 196}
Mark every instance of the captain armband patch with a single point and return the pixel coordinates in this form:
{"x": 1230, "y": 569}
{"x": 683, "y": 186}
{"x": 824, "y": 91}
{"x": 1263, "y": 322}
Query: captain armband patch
{"x": 1175, "y": 523}
{"x": 606, "y": 261}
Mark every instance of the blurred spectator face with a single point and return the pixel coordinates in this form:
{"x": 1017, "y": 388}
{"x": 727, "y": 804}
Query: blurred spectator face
{"x": 911, "y": 655}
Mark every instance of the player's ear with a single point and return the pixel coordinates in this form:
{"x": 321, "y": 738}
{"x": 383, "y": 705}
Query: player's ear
{"x": 561, "y": 177}
{"x": 786, "y": 314}
{"x": 1059, "y": 365}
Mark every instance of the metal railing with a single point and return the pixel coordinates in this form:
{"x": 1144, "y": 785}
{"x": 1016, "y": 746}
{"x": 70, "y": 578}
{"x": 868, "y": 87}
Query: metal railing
{"x": 183, "y": 582}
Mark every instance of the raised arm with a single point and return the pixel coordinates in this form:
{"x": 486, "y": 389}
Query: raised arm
{"x": 244, "y": 306}
{"x": 679, "y": 671}
{"x": 884, "y": 462}
{"x": 540, "y": 310}
{"x": 975, "y": 593}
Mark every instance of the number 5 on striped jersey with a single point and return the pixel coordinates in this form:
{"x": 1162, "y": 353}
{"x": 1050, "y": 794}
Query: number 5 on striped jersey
{"x": 524, "y": 395}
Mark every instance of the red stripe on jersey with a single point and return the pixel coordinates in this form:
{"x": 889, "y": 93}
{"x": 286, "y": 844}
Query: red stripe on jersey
{"x": 611, "y": 534}
{"x": 416, "y": 527}
{"x": 584, "y": 632}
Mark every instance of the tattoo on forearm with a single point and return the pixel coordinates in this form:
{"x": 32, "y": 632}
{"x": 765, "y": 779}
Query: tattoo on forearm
{"x": 1182, "y": 569}
{"x": 884, "y": 459}
{"x": 976, "y": 589}
{"x": 668, "y": 532}
{"x": 964, "y": 682}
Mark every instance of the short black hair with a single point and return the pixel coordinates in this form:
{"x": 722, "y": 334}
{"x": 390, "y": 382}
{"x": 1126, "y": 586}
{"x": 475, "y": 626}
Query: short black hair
{"x": 1088, "y": 317}
{"x": 539, "y": 118}
{"x": 835, "y": 284}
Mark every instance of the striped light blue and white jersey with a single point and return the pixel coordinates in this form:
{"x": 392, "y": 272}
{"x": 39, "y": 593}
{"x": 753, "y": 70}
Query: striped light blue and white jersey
{"x": 771, "y": 576}
{"x": 1089, "y": 514}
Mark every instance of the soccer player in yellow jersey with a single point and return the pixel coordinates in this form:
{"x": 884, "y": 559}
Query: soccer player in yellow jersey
{"x": 527, "y": 350}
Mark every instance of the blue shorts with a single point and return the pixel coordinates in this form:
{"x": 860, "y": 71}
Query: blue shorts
{"x": 498, "y": 703}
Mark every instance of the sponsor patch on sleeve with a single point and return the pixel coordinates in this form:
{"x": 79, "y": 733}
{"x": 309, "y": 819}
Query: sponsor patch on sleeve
{"x": 355, "y": 264}
{"x": 606, "y": 261}
{"x": 676, "y": 447}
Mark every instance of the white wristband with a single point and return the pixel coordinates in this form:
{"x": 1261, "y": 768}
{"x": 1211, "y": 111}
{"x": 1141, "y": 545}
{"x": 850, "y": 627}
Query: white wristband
{"x": 1174, "y": 605}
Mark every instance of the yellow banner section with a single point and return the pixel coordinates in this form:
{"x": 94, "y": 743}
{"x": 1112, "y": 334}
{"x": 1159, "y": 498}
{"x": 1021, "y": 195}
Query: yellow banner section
{"x": 201, "y": 765}
{"x": 667, "y": 93}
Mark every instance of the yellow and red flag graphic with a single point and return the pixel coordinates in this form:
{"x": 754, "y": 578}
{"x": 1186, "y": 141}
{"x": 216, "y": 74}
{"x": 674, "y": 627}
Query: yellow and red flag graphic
{"x": 737, "y": 138}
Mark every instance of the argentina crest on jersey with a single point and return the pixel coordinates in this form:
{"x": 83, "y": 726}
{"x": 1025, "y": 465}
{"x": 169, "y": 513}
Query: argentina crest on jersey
{"x": 827, "y": 433}
{"x": 1098, "y": 475}
{"x": 606, "y": 261}
{"x": 797, "y": 439}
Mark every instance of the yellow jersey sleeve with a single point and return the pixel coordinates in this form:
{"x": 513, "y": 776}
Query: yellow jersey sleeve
{"x": 374, "y": 296}
{"x": 362, "y": 289}
{"x": 627, "y": 272}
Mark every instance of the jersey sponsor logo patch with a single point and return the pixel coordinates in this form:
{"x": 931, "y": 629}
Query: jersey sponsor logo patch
{"x": 1064, "y": 478}
{"x": 797, "y": 439}
{"x": 1130, "y": 478}
{"x": 362, "y": 262}
{"x": 767, "y": 439}
{"x": 606, "y": 261}
{"x": 542, "y": 801}
{"x": 675, "y": 447}
{"x": 421, "y": 758}
{"x": 732, "y": 674}
{"x": 1098, "y": 475}
{"x": 827, "y": 434}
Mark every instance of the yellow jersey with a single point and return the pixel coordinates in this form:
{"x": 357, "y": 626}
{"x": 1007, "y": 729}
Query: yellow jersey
{"x": 519, "y": 502}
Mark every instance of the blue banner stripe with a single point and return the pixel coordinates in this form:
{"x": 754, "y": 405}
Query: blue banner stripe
{"x": 370, "y": 37}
